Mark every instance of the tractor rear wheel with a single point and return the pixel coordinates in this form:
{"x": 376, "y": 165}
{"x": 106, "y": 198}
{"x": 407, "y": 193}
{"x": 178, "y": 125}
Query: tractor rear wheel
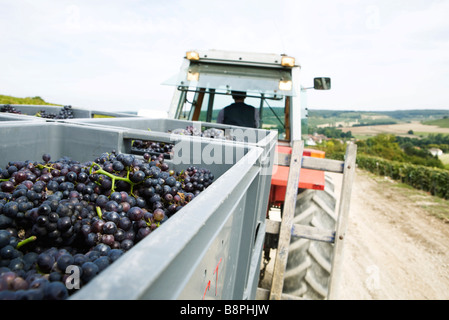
{"x": 309, "y": 262}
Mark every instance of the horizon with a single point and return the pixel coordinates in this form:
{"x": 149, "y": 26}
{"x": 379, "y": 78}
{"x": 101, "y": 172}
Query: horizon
{"x": 341, "y": 109}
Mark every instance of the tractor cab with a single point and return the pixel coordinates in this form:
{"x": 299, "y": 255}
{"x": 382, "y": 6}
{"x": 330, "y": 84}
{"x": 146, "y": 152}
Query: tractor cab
{"x": 207, "y": 79}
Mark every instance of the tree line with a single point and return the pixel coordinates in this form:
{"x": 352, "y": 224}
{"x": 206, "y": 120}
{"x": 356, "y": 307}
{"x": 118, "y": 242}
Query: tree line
{"x": 388, "y": 146}
{"x": 404, "y": 159}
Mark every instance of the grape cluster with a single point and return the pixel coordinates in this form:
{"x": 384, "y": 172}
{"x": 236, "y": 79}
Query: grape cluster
{"x": 188, "y": 131}
{"x": 196, "y": 180}
{"x": 214, "y": 133}
{"x": 166, "y": 149}
{"x": 42, "y": 274}
{"x": 55, "y": 214}
{"x": 152, "y": 147}
{"x": 9, "y": 109}
{"x": 65, "y": 113}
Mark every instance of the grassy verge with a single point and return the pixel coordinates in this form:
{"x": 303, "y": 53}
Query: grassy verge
{"x": 28, "y": 100}
{"x": 445, "y": 159}
{"x": 433, "y": 205}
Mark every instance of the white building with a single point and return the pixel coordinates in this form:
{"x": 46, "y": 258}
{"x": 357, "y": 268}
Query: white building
{"x": 435, "y": 152}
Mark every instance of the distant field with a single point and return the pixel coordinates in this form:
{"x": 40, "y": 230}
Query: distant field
{"x": 445, "y": 159}
{"x": 442, "y": 123}
{"x": 399, "y": 122}
{"x": 396, "y": 129}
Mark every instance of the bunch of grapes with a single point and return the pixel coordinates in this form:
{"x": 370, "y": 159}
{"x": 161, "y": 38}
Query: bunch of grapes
{"x": 196, "y": 180}
{"x": 188, "y": 131}
{"x": 56, "y": 214}
{"x": 19, "y": 280}
{"x": 214, "y": 133}
{"x": 152, "y": 147}
{"x": 65, "y": 113}
{"x": 9, "y": 109}
{"x": 42, "y": 274}
{"x": 166, "y": 149}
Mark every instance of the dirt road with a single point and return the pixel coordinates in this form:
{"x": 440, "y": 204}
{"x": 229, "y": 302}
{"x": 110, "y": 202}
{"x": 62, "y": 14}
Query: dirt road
{"x": 394, "y": 249}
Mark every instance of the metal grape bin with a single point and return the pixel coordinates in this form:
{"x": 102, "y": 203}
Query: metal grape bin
{"x": 78, "y": 113}
{"x": 211, "y": 249}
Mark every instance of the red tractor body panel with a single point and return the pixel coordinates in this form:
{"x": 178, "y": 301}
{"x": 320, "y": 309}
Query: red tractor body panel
{"x": 308, "y": 179}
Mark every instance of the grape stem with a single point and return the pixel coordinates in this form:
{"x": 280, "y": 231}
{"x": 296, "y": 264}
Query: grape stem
{"x": 113, "y": 177}
{"x": 25, "y": 241}
{"x": 100, "y": 215}
{"x": 41, "y": 166}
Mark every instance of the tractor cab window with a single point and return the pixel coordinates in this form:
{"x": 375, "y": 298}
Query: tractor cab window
{"x": 204, "y": 89}
{"x": 205, "y": 104}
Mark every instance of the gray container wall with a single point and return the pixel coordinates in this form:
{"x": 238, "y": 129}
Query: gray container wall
{"x": 258, "y": 137}
{"x": 29, "y": 142}
{"x": 199, "y": 252}
{"x": 17, "y": 117}
{"x": 31, "y": 110}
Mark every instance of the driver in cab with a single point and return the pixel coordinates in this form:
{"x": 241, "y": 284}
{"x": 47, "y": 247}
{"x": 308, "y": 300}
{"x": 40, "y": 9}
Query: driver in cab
{"x": 239, "y": 113}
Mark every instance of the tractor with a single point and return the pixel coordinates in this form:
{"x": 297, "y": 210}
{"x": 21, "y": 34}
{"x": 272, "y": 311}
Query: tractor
{"x": 271, "y": 84}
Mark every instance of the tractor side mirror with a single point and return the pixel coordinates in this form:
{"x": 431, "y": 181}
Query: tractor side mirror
{"x": 322, "y": 83}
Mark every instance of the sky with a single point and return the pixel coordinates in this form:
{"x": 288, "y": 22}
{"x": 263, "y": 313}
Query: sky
{"x": 114, "y": 55}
